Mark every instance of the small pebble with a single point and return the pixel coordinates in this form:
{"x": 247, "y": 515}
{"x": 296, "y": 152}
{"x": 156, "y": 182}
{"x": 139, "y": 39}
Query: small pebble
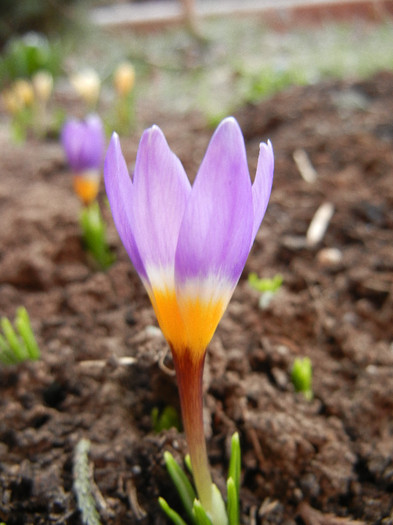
{"x": 329, "y": 257}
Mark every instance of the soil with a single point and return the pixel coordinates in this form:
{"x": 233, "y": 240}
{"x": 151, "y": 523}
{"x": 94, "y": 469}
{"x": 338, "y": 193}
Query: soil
{"x": 325, "y": 461}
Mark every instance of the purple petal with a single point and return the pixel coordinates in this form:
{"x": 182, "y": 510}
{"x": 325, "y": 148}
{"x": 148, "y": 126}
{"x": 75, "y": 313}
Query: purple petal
{"x": 84, "y": 142}
{"x": 160, "y": 192}
{"x": 119, "y": 189}
{"x": 262, "y": 186}
{"x": 215, "y": 234}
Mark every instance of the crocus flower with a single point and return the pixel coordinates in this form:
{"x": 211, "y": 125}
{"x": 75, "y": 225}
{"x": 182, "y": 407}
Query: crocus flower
{"x": 189, "y": 245}
{"x": 83, "y": 142}
{"x": 124, "y": 78}
{"x": 87, "y": 84}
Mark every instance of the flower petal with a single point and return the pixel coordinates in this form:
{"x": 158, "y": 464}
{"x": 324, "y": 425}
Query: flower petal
{"x": 262, "y": 186}
{"x": 160, "y": 192}
{"x": 119, "y": 189}
{"x": 215, "y": 234}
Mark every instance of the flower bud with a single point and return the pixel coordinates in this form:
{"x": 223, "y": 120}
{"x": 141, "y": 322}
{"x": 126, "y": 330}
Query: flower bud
{"x": 124, "y": 78}
{"x": 87, "y": 84}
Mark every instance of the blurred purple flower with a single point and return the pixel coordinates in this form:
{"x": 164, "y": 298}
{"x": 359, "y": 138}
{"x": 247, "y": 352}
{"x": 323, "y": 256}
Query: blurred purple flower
{"x": 84, "y": 142}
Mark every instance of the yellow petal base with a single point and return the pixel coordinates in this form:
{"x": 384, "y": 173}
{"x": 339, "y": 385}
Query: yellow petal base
{"x": 86, "y": 187}
{"x": 190, "y": 325}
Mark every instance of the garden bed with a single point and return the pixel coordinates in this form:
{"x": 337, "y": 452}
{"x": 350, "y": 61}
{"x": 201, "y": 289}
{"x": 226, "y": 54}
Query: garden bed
{"x": 324, "y": 461}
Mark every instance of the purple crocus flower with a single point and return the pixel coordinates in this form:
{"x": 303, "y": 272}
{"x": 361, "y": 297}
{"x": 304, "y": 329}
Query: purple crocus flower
{"x": 83, "y": 142}
{"x": 189, "y": 244}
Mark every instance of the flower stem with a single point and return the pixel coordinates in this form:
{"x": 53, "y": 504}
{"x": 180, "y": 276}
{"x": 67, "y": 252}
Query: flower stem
{"x": 189, "y": 372}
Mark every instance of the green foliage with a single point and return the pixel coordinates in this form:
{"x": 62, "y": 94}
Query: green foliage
{"x": 24, "y": 56}
{"x": 195, "y": 512}
{"x": 168, "y": 418}
{"x": 264, "y": 284}
{"x": 18, "y": 344}
{"x": 183, "y": 486}
{"x": 269, "y": 81}
{"x": 94, "y": 236}
{"x": 82, "y": 484}
{"x": 267, "y": 287}
{"x": 233, "y": 482}
{"x": 301, "y": 376}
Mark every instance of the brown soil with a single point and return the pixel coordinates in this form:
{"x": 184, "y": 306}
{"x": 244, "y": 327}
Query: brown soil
{"x": 328, "y": 461}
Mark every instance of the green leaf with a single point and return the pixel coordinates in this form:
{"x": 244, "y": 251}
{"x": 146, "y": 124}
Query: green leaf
{"x": 264, "y": 284}
{"x": 172, "y": 514}
{"x": 22, "y": 323}
{"x": 13, "y": 341}
{"x": 235, "y": 462}
{"x": 94, "y": 235}
{"x": 168, "y": 418}
{"x": 200, "y": 514}
{"x": 7, "y": 356}
{"x": 232, "y": 503}
{"x": 301, "y": 376}
{"x": 182, "y": 483}
{"x": 218, "y": 511}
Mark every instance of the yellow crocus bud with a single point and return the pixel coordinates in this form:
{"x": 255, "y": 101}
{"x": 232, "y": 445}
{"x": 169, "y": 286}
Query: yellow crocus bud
{"x": 24, "y": 92}
{"x": 124, "y": 78}
{"x": 87, "y": 84}
{"x": 43, "y": 85}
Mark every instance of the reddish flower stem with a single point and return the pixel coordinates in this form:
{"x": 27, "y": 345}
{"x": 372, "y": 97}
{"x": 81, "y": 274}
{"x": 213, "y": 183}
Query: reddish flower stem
{"x": 189, "y": 372}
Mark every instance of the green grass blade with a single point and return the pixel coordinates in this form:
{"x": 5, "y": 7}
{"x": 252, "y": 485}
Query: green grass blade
{"x": 235, "y": 462}
{"x": 7, "y": 356}
{"x": 181, "y": 482}
{"x": 232, "y": 503}
{"x": 22, "y": 323}
{"x": 172, "y": 514}
{"x": 14, "y": 343}
{"x": 200, "y": 514}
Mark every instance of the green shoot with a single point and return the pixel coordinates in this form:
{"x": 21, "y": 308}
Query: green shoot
{"x": 301, "y": 376}
{"x": 172, "y": 514}
{"x": 18, "y": 344}
{"x": 94, "y": 236}
{"x": 233, "y": 482}
{"x": 197, "y": 515}
{"x": 200, "y": 514}
{"x": 168, "y": 418}
{"x": 267, "y": 287}
{"x": 182, "y": 484}
{"x": 264, "y": 284}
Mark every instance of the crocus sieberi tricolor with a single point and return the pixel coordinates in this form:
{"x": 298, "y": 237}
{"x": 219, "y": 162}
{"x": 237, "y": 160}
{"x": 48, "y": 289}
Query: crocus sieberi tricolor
{"x": 84, "y": 142}
{"x": 189, "y": 244}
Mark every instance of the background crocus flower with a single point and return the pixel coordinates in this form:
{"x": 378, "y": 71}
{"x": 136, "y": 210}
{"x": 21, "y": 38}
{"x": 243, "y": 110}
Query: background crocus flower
{"x": 189, "y": 245}
{"x": 87, "y": 84}
{"x": 83, "y": 142}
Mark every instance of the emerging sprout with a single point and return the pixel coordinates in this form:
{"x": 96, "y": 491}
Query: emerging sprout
{"x": 267, "y": 287}
{"x": 18, "y": 344}
{"x": 301, "y": 376}
{"x": 94, "y": 235}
